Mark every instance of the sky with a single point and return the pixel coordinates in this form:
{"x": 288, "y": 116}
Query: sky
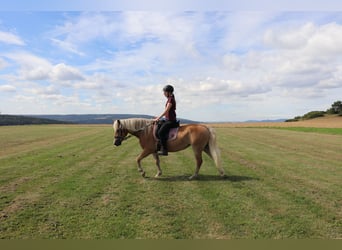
{"x": 226, "y": 62}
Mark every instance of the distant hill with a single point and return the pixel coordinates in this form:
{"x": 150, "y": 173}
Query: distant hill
{"x": 26, "y": 120}
{"x": 90, "y": 118}
{"x": 98, "y": 118}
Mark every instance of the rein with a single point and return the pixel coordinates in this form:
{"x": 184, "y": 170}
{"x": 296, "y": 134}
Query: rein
{"x": 133, "y": 132}
{"x": 143, "y": 128}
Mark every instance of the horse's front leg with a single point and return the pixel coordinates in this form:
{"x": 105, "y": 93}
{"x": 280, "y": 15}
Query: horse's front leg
{"x": 142, "y": 155}
{"x": 156, "y": 157}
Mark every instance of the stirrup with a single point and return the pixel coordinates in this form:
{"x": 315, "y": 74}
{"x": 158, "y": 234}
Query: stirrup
{"x": 162, "y": 152}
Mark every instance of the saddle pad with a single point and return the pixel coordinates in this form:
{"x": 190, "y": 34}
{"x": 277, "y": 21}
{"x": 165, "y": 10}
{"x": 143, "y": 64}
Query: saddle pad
{"x": 172, "y": 133}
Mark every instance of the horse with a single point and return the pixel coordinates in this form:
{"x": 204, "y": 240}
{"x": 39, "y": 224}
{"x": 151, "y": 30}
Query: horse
{"x": 199, "y": 137}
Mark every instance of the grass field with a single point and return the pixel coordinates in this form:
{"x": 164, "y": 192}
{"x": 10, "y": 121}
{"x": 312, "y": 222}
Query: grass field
{"x": 68, "y": 181}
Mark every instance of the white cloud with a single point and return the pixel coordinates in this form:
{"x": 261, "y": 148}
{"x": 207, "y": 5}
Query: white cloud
{"x": 77, "y": 31}
{"x": 54, "y": 103}
{"x": 306, "y": 56}
{"x": 10, "y": 38}
{"x": 131, "y": 31}
{"x": 67, "y": 46}
{"x": 221, "y": 89}
{"x": 62, "y": 72}
{"x": 289, "y": 37}
{"x": 335, "y": 81}
{"x": 99, "y": 81}
{"x": 7, "y": 88}
{"x": 32, "y": 67}
{"x": 314, "y": 41}
{"x": 159, "y": 25}
{"x": 326, "y": 41}
{"x": 242, "y": 30}
{"x": 45, "y": 90}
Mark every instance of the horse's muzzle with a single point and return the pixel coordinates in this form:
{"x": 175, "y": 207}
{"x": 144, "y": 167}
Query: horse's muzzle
{"x": 117, "y": 142}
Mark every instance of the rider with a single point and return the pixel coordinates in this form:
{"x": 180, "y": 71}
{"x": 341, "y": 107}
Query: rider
{"x": 170, "y": 118}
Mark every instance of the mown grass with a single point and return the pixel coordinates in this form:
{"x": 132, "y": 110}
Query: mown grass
{"x": 69, "y": 182}
{"x": 332, "y": 131}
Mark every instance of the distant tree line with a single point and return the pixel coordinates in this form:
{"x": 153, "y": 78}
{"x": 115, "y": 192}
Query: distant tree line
{"x": 336, "y": 108}
{"x": 25, "y": 120}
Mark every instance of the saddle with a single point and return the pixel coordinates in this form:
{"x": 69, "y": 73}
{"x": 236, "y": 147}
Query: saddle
{"x": 172, "y": 133}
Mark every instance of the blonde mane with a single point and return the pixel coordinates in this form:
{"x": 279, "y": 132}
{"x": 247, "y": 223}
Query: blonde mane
{"x": 133, "y": 124}
{"x": 136, "y": 124}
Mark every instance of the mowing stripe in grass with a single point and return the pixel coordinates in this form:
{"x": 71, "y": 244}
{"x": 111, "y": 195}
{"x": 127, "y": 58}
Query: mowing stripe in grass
{"x": 295, "y": 177}
{"x": 331, "y": 131}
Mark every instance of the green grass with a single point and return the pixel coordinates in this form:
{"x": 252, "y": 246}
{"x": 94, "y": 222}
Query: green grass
{"x": 69, "y": 182}
{"x": 332, "y": 131}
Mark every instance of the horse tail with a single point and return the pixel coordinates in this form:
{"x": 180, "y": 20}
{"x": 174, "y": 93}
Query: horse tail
{"x": 213, "y": 151}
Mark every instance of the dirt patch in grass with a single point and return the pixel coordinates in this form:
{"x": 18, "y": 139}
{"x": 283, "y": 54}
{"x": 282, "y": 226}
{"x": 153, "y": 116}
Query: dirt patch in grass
{"x": 12, "y": 186}
{"x": 19, "y": 203}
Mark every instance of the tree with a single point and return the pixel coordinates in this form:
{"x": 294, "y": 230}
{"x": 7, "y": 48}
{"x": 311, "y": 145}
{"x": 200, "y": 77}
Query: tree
{"x": 336, "y": 108}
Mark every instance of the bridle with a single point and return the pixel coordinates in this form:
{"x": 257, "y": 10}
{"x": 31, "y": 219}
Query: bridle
{"x": 121, "y": 132}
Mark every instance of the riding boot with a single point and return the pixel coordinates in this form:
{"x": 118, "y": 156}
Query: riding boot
{"x": 163, "y": 149}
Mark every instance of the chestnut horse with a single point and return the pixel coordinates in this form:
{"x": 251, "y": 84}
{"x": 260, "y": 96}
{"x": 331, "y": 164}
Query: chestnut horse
{"x": 199, "y": 137}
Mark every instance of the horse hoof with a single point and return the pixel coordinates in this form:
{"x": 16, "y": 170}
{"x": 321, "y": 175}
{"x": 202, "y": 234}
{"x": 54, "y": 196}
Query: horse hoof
{"x": 143, "y": 174}
{"x": 157, "y": 175}
{"x": 193, "y": 177}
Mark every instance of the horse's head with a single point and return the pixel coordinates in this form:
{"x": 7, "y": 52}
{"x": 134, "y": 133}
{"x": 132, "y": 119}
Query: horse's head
{"x": 120, "y": 133}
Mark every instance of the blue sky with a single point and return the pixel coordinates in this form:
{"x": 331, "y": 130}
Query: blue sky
{"x": 235, "y": 64}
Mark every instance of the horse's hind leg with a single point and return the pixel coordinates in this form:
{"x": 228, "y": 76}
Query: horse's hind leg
{"x": 198, "y": 157}
{"x": 156, "y": 157}
{"x": 217, "y": 163}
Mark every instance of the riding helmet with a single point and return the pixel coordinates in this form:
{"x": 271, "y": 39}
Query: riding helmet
{"x": 168, "y": 88}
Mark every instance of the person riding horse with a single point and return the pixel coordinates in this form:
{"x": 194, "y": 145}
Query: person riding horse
{"x": 200, "y": 137}
{"x": 170, "y": 119}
